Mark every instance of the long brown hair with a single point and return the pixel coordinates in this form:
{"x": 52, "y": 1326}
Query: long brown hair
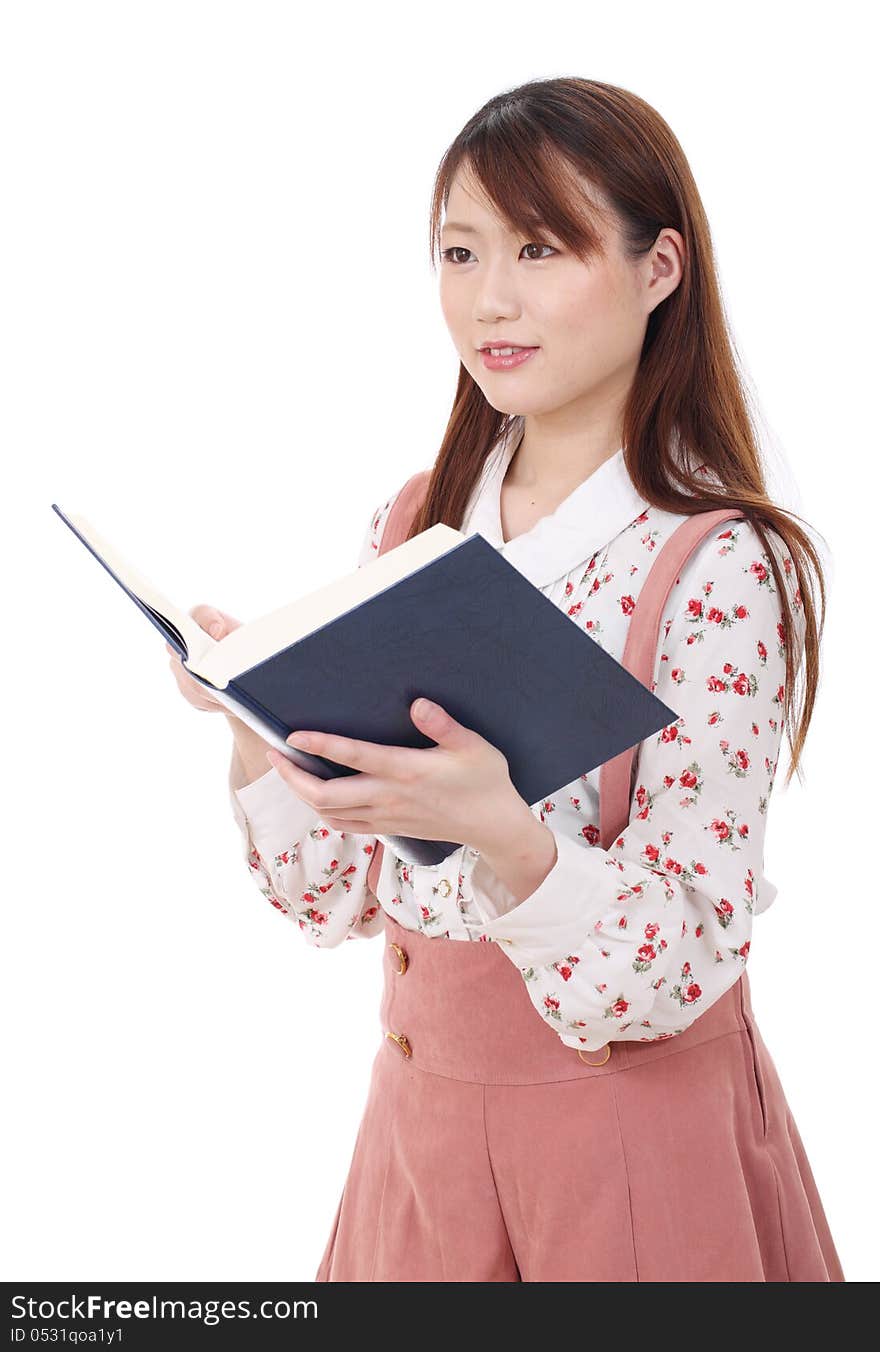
{"x": 687, "y": 407}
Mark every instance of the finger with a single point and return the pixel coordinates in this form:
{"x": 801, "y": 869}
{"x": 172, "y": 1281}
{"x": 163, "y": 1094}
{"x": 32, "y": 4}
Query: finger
{"x": 360, "y": 755}
{"x": 354, "y": 827}
{"x": 346, "y": 793}
{"x": 205, "y": 615}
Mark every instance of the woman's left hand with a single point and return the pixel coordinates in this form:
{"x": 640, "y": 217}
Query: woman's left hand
{"x": 459, "y": 790}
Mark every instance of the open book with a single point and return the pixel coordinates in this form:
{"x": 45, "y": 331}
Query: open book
{"x": 442, "y": 615}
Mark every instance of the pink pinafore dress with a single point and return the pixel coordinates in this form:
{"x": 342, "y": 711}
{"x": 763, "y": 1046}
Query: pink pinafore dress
{"x": 488, "y": 1150}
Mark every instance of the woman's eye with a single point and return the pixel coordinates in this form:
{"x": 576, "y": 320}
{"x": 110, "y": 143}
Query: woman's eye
{"x": 456, "y": 249}
{"x": 460, "y": 249}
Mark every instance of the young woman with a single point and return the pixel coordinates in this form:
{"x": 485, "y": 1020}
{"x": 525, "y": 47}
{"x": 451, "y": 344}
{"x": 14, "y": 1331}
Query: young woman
{"x": 571, "y": 1084}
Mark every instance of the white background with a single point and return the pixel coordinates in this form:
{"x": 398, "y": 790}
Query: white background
{"x": 222, "y": 343}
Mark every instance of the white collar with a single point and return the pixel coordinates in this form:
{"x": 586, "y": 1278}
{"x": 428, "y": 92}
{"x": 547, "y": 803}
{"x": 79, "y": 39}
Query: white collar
{"x": 603, "y": 505}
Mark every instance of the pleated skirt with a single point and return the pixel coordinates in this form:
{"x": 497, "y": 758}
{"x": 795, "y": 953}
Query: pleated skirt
{"x": 488, "y": 1151}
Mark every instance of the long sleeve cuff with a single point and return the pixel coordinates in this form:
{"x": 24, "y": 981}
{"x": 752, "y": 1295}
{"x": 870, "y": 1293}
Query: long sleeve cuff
{"x": 278, "y": 818}
{"x": 554, "y": 919}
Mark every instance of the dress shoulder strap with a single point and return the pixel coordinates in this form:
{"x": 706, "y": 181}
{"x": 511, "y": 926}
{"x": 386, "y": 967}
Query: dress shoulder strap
{"x": 403, "y": 510}
{"x": 640, "y": 652}
{"x": 397, "y": 524}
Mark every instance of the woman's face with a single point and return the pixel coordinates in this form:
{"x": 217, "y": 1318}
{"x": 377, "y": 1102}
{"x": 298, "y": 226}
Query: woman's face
{"x": 586, "y": 320}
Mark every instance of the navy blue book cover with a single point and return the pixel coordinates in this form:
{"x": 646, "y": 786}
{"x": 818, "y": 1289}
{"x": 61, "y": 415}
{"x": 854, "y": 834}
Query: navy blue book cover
{"x": 470, "y": 632}
{"x": 473, "y": 634}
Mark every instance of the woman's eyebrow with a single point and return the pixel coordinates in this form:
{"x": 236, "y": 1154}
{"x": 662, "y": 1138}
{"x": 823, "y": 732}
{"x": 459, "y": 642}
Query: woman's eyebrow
{"x": 458, "y": 225}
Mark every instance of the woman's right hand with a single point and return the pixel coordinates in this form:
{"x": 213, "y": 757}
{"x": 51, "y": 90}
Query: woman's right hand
{"x": 218, "y": 625}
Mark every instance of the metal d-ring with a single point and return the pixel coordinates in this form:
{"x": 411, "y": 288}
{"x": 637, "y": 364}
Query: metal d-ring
{"x": 595, "y": 1063}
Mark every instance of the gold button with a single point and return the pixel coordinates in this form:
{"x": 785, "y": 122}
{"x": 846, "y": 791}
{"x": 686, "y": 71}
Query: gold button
{"x": 444, "y": 887}
{"x": 400, "y": 1039}
{"x": 401, "y": 957}
{"x": 607, "y": 1050}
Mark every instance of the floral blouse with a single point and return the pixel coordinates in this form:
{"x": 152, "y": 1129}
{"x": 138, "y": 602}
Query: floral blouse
{"x": 633, "y": 942}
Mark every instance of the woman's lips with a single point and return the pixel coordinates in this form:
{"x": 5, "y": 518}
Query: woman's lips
{"x": 506, "y": 363}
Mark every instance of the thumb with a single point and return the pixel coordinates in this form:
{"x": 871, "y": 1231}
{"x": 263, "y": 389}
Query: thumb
{"x": 440, "y": 726}
{"x": 213, "y": 621}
